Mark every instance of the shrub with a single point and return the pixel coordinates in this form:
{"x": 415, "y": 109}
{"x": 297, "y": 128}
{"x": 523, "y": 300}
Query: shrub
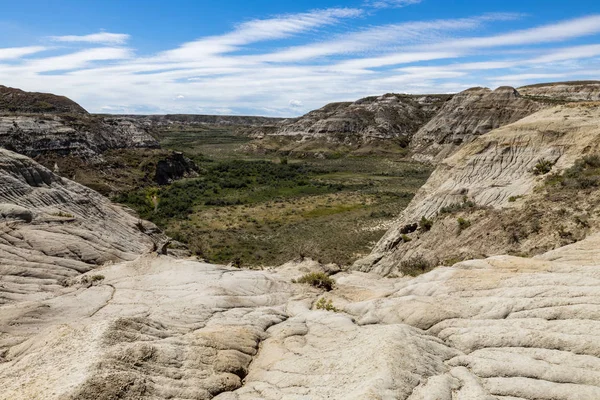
{"x": 542, "y": 167}
{"x": 406, "y": 238}
{"x": 466, "y": 203}
{"x": 318, "y": 279}
{"x": 416, "y": 265}
{"x": 425, "y": 224}
{"x": 326, "y": 305}
{"x": 463, "y": 224}
{"x": 237, "y": 262}
{"x": 96, "y": 278}
{"x": 512, "y": 199}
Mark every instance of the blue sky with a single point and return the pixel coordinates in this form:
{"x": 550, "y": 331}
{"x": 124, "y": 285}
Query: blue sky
{"x": 286, "y": 58}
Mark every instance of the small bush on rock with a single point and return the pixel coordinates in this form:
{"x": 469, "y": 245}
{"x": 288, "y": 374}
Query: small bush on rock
{"x": 415, "y": 266}
{"x": 542, "y": 167}
{"x": 326, "y": 305}
{"x": 425, "y": 224}
{"x": 318, "y": 279}
{"x": 463, "y": 224}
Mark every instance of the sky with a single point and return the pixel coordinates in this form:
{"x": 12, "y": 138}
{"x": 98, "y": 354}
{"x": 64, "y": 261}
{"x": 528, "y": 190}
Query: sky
{"x": 285, "y": 58}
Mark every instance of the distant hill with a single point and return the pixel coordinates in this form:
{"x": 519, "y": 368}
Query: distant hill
{"x": 18, "y": 101}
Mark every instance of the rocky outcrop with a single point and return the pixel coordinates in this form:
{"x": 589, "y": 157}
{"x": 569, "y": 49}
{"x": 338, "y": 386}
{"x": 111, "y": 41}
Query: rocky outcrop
{"x": 161, "y": 328}
{"x": 17, "y": 101}
{"x": 80, "y": 135}
{"x": 52, "y": 229}
{"x": 391, "y": 116}
{"x": 39, "y": 123}
{"x": 173, "y": 167}
{"x": 486, "y": 174}
{"x": 563, "y": 91}
{"x": 468, "y": 115}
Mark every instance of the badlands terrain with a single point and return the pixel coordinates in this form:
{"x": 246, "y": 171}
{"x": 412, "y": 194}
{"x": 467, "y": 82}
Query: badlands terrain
{"x": 486, "y": 284}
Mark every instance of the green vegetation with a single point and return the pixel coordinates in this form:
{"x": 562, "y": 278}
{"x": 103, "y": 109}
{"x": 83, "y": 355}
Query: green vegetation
{"x": 463, "y": 224}
{"x": 317, "y": 279}
{"x": 415, "y": 266}
{"x": 542, "y": 167}
{"x": 96, "y": 278}
{"x": 466, "y": 204}
{"x": 326, "y": 305}
{"x": 584, "y": 174}
{"x": 406, "y": 238}
{"x": 267, "y": 211}
{"x": 512, "y": 199}
{"x": 425, "y": 224}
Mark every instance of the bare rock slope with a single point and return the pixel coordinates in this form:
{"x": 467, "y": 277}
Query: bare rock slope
{"x": 391, "y": 116}
{"x": 469, "y": 114}
{"x": 41, "y": 123}
{"x": 489, "y": 174}
{"x": 564, "y": 91}
{"x": 52, "y": 229}
{"x": 160, "y": 328}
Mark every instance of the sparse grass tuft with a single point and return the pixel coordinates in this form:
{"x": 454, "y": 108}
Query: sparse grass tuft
{"x": 326, "y": 305}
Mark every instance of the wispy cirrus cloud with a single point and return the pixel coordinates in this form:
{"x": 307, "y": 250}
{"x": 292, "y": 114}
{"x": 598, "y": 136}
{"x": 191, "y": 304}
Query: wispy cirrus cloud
{"x": 390, "y": 3}
{"x": 285, "y": 65}
{"x": 98, "y": 38}
{"x": 12, "y": 53}
{"x": 261, "y": 30}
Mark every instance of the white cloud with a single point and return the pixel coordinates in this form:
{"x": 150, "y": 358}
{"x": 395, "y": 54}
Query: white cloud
{"x": 101, "y": 37}
{"x": 330, "y": 60}
{"x": 13, "y": 53}
{"x": 80, "y": 59}
{"x": 260, "y": 30}
{"x": 544, "y": 34}
{"x": 391, "y": 3}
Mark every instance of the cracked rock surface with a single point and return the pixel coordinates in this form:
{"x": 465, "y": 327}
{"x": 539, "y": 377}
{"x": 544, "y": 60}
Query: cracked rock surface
{"x": 162, "y": 328}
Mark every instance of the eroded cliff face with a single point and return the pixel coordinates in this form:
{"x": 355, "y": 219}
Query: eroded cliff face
{"x": 52, "y": 229}
{"x": 391, "y": 116}
{"x": 81, "y": 135}
{"x": 564, "y": 91}
{"x": 488, "y": 174}
{"x": 468, "y": 115}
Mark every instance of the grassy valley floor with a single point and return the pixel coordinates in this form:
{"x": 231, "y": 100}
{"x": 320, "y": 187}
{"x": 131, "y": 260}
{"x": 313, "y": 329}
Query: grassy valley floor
{"x": 259, "y": 210}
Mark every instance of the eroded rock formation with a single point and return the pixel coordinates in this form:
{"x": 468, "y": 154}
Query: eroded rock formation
{"x": 487, "y": 173}
{"x": 564, "y": 91}
{"x": 469, "y": 114}
{"x": 391, "y": 116}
